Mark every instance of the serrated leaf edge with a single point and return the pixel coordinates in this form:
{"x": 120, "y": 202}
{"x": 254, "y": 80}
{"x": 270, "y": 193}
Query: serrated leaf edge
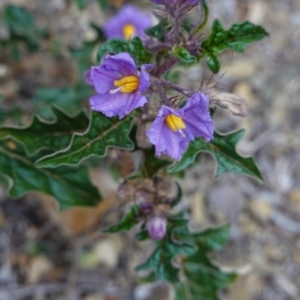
{"x": 39, "y": 161}
{"x": 42, "y": 120}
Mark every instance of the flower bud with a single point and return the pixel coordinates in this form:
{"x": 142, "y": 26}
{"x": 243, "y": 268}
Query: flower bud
{"x": 147, "y": 207}
{"x": 157, "y": 227}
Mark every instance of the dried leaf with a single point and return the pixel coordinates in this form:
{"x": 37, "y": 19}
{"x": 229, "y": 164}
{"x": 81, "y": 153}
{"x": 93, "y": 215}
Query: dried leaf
{"x": 235, "y": 103}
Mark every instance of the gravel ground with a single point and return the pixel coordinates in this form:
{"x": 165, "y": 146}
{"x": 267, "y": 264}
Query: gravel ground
{"x": 265, "y": 236}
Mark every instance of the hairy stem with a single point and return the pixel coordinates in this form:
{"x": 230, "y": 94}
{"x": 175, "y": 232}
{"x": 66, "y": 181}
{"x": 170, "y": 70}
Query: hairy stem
{"x": 175, "y": 87}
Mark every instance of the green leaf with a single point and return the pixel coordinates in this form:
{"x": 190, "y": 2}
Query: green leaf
{"x": 104, "y": 4}
{"x": 142, "y": 235}
{"x": 103, "y": 132}
{"x": 151, "y": 164}
{"x": 20, "y": 20}
{"x": 161, "y": 262}
{"x": 130, "y": 220}
{"x": 69, "y": 186}
{"x": 179, "y": 196}
{"x": 184, "y": 55}
{"x": 237, "y": 38}
{"x": 22, "y": 26}
{"x": 206, "y": 14}
{"x": 54, "y": 135}
{"x": 200, "y": 278}
{"x": 68, "y": 99}
{"x": 194, "y": 276}
{"x": 82, "y": 4}
{"x": 134, "y": 47}
{"x": 211, "y": 239}
{"x": 213, "y": 62}
{"x": 223, "y": 149}
{"x": 112, "y": 46}
{"x": 158, "y": 31}
{"x": 138, "y": 52}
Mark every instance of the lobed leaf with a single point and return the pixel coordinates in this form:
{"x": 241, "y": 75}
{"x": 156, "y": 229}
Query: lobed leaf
{"x": 223, "y": 149}
{"x": 237, "y": 38}
{"x": 130, "y": 220}
{"x": 184, "y": 55}
{"x": 205, "y": 17}
{"x": 158, "y": 31}
{"x": 200, "y": 278}
{"x": 134, "y": 47}
{"x": 161, "y": 261}
{"x": 138, "y": 51}
{"x": 151, "y": 164}
{"x": 67, "y": 98}
{"x": 41, "y": 134}
{"x": 112, "y": 46}
{"x": 82, "y": 4}
{"x": 22, "y": 27}
{"x": 182, "y": 258}
{"x": 69, "y": 186}
{"x": 103, "y": 132}
{"x": 104, "y": 4}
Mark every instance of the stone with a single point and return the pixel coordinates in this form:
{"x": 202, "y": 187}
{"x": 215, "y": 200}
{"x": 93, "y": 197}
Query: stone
{"x": 198, "y": 209}
{"x": 239, "y": 69}
{"x": 244, "y": 90}
{"x": 274, "y": 252}
{"x": 247, "y": 225}
{"x": 257, "y": 12}
{"x": 94, "y": 297}
{"x": 9, "y": 89}
{"x": 107, "y": 253}
{"x": 260, "y": 209}
{"x": 3, "y": 70}
{"x": 294, "y": 197}
{"x": 224, "y": 202}
{"x": 39, "y": 266}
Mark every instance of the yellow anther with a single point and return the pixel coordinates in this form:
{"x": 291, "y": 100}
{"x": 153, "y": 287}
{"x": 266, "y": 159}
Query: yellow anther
{"x": 174, "y": 122}
{"x": 128, "y": 31}
{"x": 127, "y": 84}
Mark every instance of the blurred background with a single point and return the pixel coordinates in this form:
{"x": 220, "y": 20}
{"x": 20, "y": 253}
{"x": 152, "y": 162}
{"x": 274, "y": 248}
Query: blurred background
{"x": 46, "y": 254}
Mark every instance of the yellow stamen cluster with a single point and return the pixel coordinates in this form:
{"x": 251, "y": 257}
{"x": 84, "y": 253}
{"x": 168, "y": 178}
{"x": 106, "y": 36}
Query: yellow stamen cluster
{"x": 174, "y": 122}
{"x": 127, "y": 84}
{"x": 129, "y": 31}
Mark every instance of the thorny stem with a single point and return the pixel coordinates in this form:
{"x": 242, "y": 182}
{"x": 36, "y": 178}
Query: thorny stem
{"x": 162, "y": 94}
{"x": 206, "y": 12}
{"x": 173, "y": 86}
{"x": 168, "y": 64}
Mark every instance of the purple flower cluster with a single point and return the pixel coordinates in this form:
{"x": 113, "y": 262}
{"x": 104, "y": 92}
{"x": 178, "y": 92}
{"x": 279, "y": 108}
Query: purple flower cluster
{"x": 120, "y": 87}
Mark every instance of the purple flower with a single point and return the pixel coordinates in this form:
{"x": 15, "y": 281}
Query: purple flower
{"x": 119, "y": 85}
{"x": 172, "y": 130}
{"x": 128, "y": 23}
{"x": 157, "y": 227}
